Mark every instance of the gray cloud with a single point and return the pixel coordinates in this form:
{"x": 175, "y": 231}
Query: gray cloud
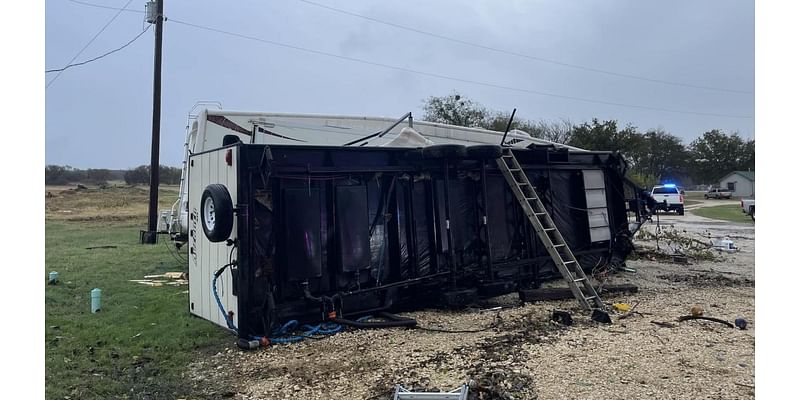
{"x": 98, "y": 115}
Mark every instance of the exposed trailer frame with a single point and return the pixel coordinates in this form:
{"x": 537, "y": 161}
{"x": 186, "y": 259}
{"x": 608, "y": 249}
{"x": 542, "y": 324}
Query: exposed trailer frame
{"x": 414, "y": 254}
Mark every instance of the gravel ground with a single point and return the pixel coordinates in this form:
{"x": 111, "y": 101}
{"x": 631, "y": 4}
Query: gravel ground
{"x": 525, "y": 356}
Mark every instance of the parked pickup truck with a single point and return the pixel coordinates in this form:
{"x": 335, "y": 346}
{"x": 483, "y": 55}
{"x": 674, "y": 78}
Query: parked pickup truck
{"x": 749, "y": 207}
{"x": 668, "y": 198}
{"x": 717, "y": 193}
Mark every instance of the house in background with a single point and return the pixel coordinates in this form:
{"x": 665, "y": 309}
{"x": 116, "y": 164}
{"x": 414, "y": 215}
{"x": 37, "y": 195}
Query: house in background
{"x": 741, "y": 183}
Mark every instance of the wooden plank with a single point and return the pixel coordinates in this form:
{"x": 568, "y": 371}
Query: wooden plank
{"x": 545, "y": 294}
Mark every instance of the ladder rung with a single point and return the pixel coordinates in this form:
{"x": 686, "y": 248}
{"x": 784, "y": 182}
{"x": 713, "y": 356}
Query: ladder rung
{"x": 508, "y": 156}
{"x": 579, "y": 280}
{"x": 589, "y": 298}
{"x": 569, "y": 262}
{"x": 523, "y": 184}
{"x": 531, "y": 198}
{"x": 549, "y": 229}
{"x": 558, "y": 245}
{"x": 537, "y": 214}
{"x": 515, "y": 169}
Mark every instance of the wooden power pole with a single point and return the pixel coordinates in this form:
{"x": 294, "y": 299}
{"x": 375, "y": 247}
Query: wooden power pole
{"x": 150, "y": 235}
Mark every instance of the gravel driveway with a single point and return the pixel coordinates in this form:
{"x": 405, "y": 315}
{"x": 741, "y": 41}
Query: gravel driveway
{"x": 525, "y": 356}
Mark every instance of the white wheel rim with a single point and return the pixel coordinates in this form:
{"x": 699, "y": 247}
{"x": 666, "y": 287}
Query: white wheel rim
{"x": 208, "y": 213}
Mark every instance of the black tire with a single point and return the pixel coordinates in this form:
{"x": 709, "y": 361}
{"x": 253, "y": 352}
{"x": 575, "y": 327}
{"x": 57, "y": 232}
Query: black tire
{"x": 680, "y": 211}
{"x": 706, "y": 196}
{"x": 753, "y": 212}
{"x": 444, "y": 151}
{"x": 216, "y": 213}
{"x": 230, "y": 139}
{"x": 484, "y": 152}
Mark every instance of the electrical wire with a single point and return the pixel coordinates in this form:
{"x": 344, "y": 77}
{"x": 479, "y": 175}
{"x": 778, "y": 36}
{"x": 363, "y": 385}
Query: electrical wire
{"x": 451, "y": 78}
{"x": 106, "y": 7}
{"x": 102, "y": 55}
{"x": 462, "y": 80}
{"x": 526, "y": 56}
{"x": 96, "y": 35}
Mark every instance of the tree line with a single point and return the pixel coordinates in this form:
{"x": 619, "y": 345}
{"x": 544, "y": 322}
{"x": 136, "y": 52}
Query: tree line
{"x": 61, "y": 175}
{"x": 655, "y": 155}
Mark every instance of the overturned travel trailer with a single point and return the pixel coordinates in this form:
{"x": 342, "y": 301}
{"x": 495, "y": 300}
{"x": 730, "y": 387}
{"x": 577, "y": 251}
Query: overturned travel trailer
{"x": 312, "y": 218}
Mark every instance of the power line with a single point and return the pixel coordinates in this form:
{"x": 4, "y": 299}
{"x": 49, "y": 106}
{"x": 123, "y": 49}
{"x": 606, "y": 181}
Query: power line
{"x": 451, "y": 78}
{"x": 527, "y": 56}
{"x": 106, "y": 7}
{"x": 102, "y": 55}
{"x": 89, "y": 43}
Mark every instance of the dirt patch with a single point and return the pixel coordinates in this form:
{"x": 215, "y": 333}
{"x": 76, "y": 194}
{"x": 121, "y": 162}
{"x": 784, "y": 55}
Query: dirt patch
{"x": 109, "y": 203}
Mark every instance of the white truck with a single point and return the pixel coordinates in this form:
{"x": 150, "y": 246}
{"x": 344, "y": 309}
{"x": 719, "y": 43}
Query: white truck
{"x": 668, "y": 198}
{"x": 749, "y": 207}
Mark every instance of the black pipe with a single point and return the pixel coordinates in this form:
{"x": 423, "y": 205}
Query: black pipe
{"x": 508, "y": 127}
{"x": 395, "y": 321}
{"x": 450, "y": 253}
{"x": 486, "y": 220}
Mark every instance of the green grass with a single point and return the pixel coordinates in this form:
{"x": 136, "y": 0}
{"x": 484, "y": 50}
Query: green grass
{"x": 691, "y": 202}
{"x": 138, "y": 345}
{"x": 728, "y": 212}
{"x": 695, "y": 195}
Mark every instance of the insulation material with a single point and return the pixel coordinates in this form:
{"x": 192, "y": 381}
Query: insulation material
{"x": 464, "y": 220}
{"x": 421, "y": 223}
{"x": 352, "y": 227}
{"x": 303, "y": 233}
{"x": 408, "y": 137}
{"x": 503, "y": 220}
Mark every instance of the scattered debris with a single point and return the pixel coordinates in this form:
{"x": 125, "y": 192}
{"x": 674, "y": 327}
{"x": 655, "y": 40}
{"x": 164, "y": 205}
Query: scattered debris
{"x": 696, "y": 310}
{"x": 563, "y": 293}
{"x": 168, "y": 278}
{"x": 680, "y": 259}
{"x": 630, "y": 311}
{"x": 459, "y": 393}
{"x": 169, "y": 275}
{"x": 740, "y": 323}
{"x": 621, "y": 307}
{"x": 562, "y": 317}
{"x": 707, "y": 279}
{"x": 601, "y": 316}
{"x": 725, "y": 245}
{"x": 101, "y": 247}
{"x": 690, "y": 317}
{"x": 663, "y": 324}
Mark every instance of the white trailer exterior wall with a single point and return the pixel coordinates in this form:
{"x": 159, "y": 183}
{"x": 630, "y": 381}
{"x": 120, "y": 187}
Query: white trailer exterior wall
{"x": 206, "y": 257}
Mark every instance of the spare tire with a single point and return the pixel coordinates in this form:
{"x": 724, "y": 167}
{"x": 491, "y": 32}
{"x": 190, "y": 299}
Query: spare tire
{"x": 484, "y": 151}
{"x": 216, "y": 212}
{"x": 444, "y": 151}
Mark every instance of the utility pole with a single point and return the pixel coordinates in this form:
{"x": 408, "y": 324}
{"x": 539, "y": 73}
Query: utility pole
{"x": 150, "y": 235}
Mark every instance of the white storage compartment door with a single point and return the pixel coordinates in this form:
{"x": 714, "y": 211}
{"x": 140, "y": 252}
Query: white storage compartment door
{"x": 594, "y": 184}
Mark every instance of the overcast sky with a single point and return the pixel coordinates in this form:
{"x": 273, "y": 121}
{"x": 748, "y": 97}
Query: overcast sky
{"x": 99, "y": 115}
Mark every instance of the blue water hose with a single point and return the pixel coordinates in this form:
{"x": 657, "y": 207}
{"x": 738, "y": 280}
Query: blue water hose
{"x": 281, "y": 334}
{"x": 225, "y": 315}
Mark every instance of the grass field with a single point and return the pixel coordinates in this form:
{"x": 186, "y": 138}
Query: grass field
{"x": 138, "y": 345}
{"x": 728, "y": 212}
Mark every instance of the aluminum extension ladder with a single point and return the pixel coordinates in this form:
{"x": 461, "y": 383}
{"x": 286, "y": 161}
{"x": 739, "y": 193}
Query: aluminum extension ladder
{"x": 549, "y": 234}
{"x": 402, "y": 393}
